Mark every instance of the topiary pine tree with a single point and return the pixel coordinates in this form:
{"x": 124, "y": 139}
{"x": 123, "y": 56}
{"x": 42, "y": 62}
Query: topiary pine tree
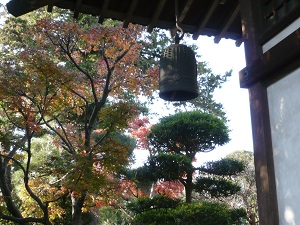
{"x": 177, "y": 139}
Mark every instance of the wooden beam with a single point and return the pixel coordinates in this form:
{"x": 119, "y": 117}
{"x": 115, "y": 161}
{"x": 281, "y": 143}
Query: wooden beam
{"x": 281, "y": 24}
{"x": 156, "y": 15}
{"x": 77, "y": 6}
{"x": 18, "y": 8}
{"x": 50, "y": 8}
{"x": 42, "y": 3}
{"x": 107, "y": 9}
{"x": 227, "y": 24}
{"x": 263, "y": 154}
{"x": 50, "y": 5}
{"x": 238, "y": 42}
{"x": 181, "y": 17}
{"x": 185, "y": 10}
{"x": 208, "y": 15}
{"x": 280, "y": 57}
{"x": 129, "y": 14}
{"x": 103, "y": 11}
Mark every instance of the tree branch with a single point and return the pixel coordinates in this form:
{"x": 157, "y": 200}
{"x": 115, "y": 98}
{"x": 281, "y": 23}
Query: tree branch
{"x": 26, "y": 178}
{"x": 26, "y": 220}
{"x": 65, "y": 139}
{"x": 58, "y": 198}
{"x": 6, "y": 191}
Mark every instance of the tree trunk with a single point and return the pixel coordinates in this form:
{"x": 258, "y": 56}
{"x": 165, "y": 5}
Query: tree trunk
{"x": 94, "y": 216}
{"x": 189, "y": 188}
{"x": 252, "y": 219}
{"x": 6, "y": 189}
{"x": 77, "y": 204}
{"x": 152, "y": 193}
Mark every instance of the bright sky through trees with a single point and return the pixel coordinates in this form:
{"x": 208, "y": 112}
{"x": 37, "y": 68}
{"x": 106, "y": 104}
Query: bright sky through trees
{"x": 223, "y": 57}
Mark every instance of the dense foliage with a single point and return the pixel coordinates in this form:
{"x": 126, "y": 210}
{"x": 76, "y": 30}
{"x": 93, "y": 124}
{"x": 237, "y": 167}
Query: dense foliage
{"x": 188, "y": 133}
{"x": 200, "y": 213}
{"x": 247, "y": 196}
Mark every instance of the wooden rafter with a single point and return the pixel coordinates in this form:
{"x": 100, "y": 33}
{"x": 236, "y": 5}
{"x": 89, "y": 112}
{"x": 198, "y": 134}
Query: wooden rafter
{"x": 103, "y": 11}
{"x": 185, "y": 10}
{"x": 50, "y": 8}
{"x": 156, "y": 15}
{"x": 227, "y": 24}
{"x": 37, "y": 4}
{"x": 18, "y": 8}
{"x": 76, "y": 10}
{"x": 206, "y": 19}
{"x": 130, "y": 13}
{"x": 50, "y": 5}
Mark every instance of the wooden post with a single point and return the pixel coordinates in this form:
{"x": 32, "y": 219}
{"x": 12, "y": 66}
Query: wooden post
{"x": 252, "y": 25}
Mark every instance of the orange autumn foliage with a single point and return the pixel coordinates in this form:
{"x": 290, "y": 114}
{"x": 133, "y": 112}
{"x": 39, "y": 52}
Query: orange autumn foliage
{"x": 171, "y": 189}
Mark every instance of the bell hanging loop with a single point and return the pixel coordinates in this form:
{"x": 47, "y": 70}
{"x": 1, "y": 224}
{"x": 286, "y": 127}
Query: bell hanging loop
{"x": 178, "y": 38}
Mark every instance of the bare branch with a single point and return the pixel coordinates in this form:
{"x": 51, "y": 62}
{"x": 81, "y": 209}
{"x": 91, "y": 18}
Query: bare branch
{"x": 85, "y": 72}
{"x": 58, "y": 198}
{"x": 10, "y": 120}
{"x": 26, "y": 178}
{"x": 16, "y": 161}
{"x": 15, "y": 148}
{"x": 63, "y": 177}
{"x": 97, "y": 143}
{"x": 21, "y": 220}
{"x": 64, "y": 138}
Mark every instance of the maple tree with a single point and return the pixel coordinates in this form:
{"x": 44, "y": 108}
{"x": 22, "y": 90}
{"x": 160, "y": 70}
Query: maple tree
{"x": 77, "y": 84}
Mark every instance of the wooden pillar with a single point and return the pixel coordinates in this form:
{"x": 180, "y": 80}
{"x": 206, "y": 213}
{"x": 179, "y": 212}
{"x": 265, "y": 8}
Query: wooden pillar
{"x": 252, "y": 25}
{"x": 263, "y": 155}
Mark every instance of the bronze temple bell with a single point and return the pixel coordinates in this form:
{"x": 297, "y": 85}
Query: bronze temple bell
{"x": 178, "y": 73}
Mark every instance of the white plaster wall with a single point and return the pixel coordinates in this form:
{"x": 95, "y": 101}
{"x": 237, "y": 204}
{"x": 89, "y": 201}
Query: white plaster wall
{"x": 284, "y": 106}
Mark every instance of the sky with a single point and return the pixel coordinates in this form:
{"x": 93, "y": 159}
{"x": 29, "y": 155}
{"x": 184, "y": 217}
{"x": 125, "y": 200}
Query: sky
{"x": 220, "y": 58}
